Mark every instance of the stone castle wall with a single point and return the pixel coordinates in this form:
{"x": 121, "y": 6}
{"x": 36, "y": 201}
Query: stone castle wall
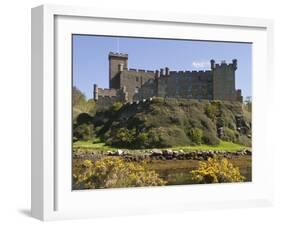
{"x": 136, "y": 83}
{"x": 129, "y": 85}
{"x": 186, "y": 84}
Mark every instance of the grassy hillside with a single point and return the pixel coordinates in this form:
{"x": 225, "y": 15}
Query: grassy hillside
{"x": 167, "y": 123}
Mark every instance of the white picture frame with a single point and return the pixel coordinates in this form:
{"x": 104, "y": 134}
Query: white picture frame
{"x": 52, "y": 197}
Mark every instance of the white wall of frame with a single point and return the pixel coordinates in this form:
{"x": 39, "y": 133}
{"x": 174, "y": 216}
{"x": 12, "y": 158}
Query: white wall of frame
{"x": 15, "y": 102}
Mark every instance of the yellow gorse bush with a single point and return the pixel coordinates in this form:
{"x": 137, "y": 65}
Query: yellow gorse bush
{"x": 216, "y": 170}
{"x": 111, "y": 172}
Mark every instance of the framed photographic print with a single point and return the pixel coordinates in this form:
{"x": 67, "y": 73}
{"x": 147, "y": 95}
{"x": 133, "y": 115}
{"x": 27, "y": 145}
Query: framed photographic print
{"x": 136, "y": 113}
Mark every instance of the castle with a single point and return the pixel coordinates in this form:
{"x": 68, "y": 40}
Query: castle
{"x": 132, "y": 85}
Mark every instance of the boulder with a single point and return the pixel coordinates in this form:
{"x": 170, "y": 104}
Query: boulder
{"x": 119, "y": 152}
{"x": 156, "y": 152}
{"x": 167, "y": 152}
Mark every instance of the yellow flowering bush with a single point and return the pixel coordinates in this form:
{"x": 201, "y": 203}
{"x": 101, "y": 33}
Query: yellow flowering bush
{"x": 216, "y": 170}
{"x": 112, "y": 172}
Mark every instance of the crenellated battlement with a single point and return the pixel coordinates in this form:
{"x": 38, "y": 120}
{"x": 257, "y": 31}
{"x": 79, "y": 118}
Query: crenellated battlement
{"x": 170, "y": 73}
{"x": 116, "y": 54}
{"x": 224, "y": 64}
{"x": 139, "y": 70}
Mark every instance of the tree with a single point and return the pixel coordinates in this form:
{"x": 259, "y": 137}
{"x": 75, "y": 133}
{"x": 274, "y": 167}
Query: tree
{"x": 248, "y": 103}
{"x": 77, "y": 96}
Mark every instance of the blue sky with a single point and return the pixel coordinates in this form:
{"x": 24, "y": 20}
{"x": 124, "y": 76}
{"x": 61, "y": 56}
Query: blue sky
{"x": 90, "y": 58}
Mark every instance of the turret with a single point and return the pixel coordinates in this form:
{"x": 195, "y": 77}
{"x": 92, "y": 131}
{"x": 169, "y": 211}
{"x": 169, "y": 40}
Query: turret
{"x": 167, "y": 71}
{"x": 234, "y": 63}
{"x": 213, "y": 64}
{"x": 224, "y": 80}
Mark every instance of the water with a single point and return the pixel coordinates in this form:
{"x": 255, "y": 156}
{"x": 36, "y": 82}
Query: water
{"x": 177, "y": 172}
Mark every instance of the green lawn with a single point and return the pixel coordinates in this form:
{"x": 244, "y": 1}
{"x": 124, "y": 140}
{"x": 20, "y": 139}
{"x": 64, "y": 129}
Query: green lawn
{"x": 99, "y": 146}
{"x": 223, "y": 146}
{"x": 93, "y": 145}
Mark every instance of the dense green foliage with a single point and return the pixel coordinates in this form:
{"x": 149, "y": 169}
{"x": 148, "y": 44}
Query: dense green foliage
{"x": 112, "y": 172}
{"x": 216, "y": 171}
{"x": 196, "y": 135}
{"x": 170, "y": 122}
{"x": 83, "y": 132}
{"x": 160, "y": 123}
{"x": 81, "y": 105}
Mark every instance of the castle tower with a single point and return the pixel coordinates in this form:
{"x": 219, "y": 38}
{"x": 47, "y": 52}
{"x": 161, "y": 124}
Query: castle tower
{"x": 117, "y": 62}
{"x": 224, "y": 80}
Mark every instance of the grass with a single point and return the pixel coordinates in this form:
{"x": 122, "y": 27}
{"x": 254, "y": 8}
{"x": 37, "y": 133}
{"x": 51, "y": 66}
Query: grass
{"x": 223, "y": 146}
{"x": 92, "y": 145}
{"x": 97, "y": 145}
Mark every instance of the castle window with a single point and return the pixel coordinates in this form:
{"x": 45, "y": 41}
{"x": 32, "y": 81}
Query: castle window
{"x": 137, "y": 79}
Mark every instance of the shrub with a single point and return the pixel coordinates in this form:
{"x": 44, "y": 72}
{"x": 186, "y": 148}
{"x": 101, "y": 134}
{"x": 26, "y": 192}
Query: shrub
{"x": 167, "y": 137}
{"x": 229, "y": 135}
{"x": 211, "y": 111}
{"x": 196, "y": 135}
{"x": 84, "y": 118}
{"x": 142, "y": 140}
{"x": 158, "y": 100}
{"x": 216, "y": 171}
{"x": 83, "y": 132}
{"x": 210, "y": 138}
{"x": 244, "y": 140}
{"x": 123, "y": 137}
{"x": 116, "y": 106}
{"x": 113, "y": 172}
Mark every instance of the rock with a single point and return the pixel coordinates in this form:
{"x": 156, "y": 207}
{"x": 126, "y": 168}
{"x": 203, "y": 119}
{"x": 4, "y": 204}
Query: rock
{"x": 119, "y": 152}
{"x": 248, "y": 152}
{"x": 110, "y": 153}
{"x": 188, "y": 155}
{"x": 167, "y": 152}
{"x": 168, "y": 157}
{"x": 126, "y": 152}
{"x": 156, "y": 152}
